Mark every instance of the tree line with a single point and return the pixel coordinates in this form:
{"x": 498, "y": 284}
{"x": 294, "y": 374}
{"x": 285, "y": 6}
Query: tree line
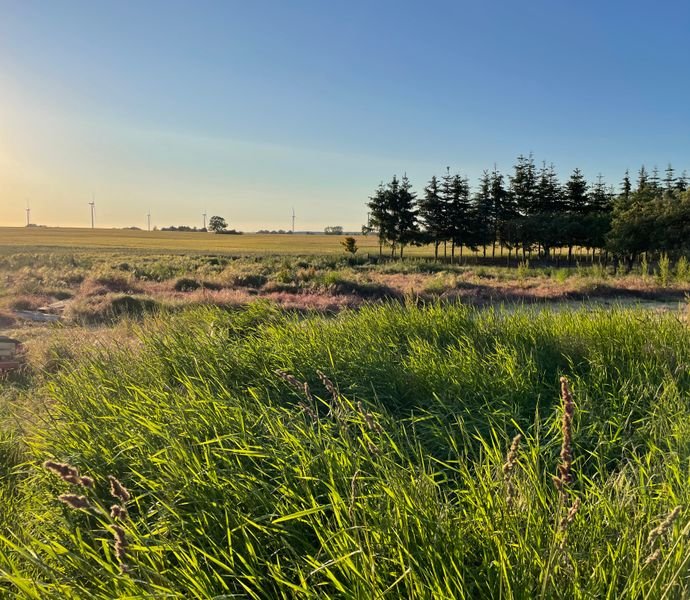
{"x": 531, "y": 210}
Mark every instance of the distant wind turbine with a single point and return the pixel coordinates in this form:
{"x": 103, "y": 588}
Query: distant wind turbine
{"x": 28, "y": 214}
{"x": 92, "y": 204}
{"x": 293, "y": 220}
{"x": 148, "y": 217}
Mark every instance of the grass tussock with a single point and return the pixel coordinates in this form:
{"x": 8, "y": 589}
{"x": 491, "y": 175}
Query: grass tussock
{"x": 397, "y": 451}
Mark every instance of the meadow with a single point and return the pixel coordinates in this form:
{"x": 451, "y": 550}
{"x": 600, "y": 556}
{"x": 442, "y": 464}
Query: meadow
{"x": 256, "y": 425}
{"x": 394, "y": 472}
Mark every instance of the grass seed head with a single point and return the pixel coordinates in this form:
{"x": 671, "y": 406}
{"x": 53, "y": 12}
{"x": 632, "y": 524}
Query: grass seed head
{"x": 64, "y": 471}
{"x": 508, "y": 466}
{"x": 117, "y": 490}
{"x": 292, "y": 381}
{"x": 653, "y": 557}
{"x": 120, "y": 547}
{"x": 664, "y": 526}
{"x": 118, "y": 512}
{"x": 564, "y": 475}
{"x": 74, "y": 501}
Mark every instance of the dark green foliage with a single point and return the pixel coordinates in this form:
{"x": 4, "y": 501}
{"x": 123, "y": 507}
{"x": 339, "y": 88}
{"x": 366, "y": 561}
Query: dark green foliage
{"x": 349, "y": 245}
{"x": 536, "y": 212}
{"x": 217, "y": 224}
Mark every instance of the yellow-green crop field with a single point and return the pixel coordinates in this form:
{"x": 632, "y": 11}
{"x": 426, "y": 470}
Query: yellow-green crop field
{"x": 57, "y": 237}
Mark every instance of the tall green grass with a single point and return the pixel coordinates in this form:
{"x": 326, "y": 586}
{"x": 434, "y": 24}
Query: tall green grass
{"x": 393, "y": 487}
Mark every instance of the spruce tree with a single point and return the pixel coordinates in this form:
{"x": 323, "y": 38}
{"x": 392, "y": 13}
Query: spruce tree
{"x": 502, "y": 207}
{"x": 483, "y": 210}
{"x": 523, "y": 184}
{"x": 576, "y": 201}
{"x": 670, "y": 179}
{"x": 576, "y": 193}
{"x": 547, "y": 192}
{"x": 600, "y": 197}
{"x": 405, "y": 211}
{"x": 626, "y": 186}
{"x": 459, "y": 213}
{"x": 642, "y": 179}
{"x": 380, "y": 215}
{"x": 432, "y": 213}
{"x": 446, "y": 201}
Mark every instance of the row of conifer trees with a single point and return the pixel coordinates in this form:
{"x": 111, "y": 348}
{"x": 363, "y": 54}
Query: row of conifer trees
{"x": 532, "y": 210}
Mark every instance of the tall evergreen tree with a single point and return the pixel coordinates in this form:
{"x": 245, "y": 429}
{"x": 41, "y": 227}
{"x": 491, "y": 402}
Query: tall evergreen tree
{"x": 483, "y": 209}
{"x": 576, "y": 193}
{"x": 432, "y": 213}
{"x": 446, "y": 201}
{"x": 459, "y": 212}
{"x": 626, "y": 186}
{"x": 576, "y": 202}
{"x": 405, "y": 214}
{"x": 380, "y": 218}
{"x": 600, "y": 197}
{"x": 523, "y": 184}
{"x": 642, "y": 179}
{"x": 670, "y": 178}
{"x": 547, "y": 192}
{"x": 502, "y": 206}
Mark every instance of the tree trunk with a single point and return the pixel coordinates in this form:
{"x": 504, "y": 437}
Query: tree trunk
{"x": 436, "y": 251}
{"x": 570, "y": 256}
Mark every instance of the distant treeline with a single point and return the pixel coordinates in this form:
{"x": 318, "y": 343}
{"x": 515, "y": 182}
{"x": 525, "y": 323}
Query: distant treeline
{"x": 184, "y": 228}
{"x": 532, "y": 210}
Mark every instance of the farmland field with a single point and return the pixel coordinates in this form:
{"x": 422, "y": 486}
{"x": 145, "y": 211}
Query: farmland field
{"x": 56, "y": 237}
{"x": 312, "y": 425}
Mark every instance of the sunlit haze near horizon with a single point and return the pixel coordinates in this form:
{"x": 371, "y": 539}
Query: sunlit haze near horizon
{"x": 248, "y": 109}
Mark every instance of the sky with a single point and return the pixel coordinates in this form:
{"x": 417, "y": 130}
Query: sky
{"x": 248, "y": 109}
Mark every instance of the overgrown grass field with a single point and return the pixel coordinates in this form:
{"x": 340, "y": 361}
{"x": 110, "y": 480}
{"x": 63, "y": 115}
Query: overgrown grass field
{"x": 395, "y": 472}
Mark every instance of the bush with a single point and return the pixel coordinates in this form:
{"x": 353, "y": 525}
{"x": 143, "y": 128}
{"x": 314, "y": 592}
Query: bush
{"x": 186, "y": 284}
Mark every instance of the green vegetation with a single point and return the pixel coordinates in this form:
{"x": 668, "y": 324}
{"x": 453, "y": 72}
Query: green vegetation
{"x": 535, "y": 212}
{"x": 391, "y": 476}
{"x": 90, "y": 287}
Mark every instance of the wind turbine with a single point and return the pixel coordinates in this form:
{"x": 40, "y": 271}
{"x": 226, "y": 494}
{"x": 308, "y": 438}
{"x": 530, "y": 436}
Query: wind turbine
{"x": 204, "y": 215}
{"x": 28, "y": 214}
{"x": 293, "y": 220}
{"x": 92, "y": 204}
{"x": 148, "y": 217}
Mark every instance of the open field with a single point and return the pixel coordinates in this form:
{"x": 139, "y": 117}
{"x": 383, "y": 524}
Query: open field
{"x": 19, "y": 239}
{"x": 397, "y": 483}
{"x": 57, "y": 237}
{"x": 98, "y": 285}
{"x": 389, "y": 475}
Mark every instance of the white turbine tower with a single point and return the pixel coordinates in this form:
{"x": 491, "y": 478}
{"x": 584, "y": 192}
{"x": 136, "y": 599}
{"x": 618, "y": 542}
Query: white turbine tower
{"x": 293, "y": 220}
{"x": 92, "y": 204}
{"x": 28, "y": 214}
{"x": 148, "y": 218}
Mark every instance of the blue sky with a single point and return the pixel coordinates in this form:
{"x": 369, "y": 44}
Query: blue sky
{"x": 247, "y": 109}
